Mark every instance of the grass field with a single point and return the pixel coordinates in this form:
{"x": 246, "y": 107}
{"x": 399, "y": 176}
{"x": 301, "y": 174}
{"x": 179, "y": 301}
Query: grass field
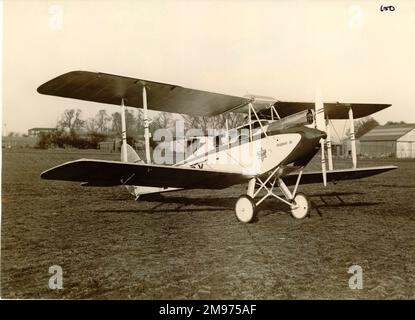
{"x": 188, "y": 244}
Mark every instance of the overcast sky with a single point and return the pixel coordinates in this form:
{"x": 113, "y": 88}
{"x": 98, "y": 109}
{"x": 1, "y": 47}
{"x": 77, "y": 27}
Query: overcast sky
{"x": 284, "y": 49}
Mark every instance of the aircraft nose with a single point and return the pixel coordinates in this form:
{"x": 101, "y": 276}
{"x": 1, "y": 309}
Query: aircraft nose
{"x": 322, "y": 135}
{"x": 313, "y": 135}
{"x": 307, "y": 147}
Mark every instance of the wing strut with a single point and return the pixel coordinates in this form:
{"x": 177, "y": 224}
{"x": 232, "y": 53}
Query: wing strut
{"x": 352, "y": 138}
{"x": 123, "y": 132}
{"x": 227, "y": 131}
{"x": 146, "y": 124}
{"x": 321, "y": 125}
{"x": 328, "y": 140}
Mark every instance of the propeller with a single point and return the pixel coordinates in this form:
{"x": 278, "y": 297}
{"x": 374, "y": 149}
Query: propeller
{"x": 320, "y": 125}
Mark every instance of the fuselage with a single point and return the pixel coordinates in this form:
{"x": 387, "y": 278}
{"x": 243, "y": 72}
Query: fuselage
{"x": 252, "y": 154}
{"x": 263, "y": 151}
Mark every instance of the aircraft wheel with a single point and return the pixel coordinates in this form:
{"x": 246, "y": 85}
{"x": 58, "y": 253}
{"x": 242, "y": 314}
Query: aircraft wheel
{"x": 245, "y": 209}
{"x": 301, "y": 206}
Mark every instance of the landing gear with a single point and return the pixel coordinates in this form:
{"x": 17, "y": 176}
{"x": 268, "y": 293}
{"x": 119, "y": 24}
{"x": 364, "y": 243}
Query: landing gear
{"x": 245, "y": 205}
{"x": 245, "y": 209}
{"x": 300, "y": 207}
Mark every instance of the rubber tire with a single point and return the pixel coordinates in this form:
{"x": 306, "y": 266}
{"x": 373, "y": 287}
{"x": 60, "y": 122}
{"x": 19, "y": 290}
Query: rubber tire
{"x": 245, "y": 209}
{"x": 304, "y": 206}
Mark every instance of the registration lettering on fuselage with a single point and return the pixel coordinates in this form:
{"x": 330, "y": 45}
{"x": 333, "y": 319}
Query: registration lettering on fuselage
{"x": 281, "y": 144}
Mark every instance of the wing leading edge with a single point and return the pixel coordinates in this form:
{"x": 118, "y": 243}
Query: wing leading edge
{"x": 113, "y": 173}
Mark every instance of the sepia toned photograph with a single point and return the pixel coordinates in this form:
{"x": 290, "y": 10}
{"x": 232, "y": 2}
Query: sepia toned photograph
{"x": 208, "y": 150}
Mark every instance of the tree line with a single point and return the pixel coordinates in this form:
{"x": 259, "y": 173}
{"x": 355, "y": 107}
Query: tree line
{"x": 73, "y": 131}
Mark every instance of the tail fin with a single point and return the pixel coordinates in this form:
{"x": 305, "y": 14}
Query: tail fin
{"x": 129, "y": 155}
{"x": 132, "y": 156}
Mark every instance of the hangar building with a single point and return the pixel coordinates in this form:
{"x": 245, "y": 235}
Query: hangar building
{"x": 396, "y": 140}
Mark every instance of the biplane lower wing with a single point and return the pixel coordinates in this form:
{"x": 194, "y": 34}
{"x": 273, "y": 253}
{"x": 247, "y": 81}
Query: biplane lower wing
{"x": 113, "y": 173}
{"x": 336, "y": 175}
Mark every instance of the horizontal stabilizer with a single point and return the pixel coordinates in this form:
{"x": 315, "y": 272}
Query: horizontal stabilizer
{"x": 336, "y": 175}
{"x": 111, "y": 173}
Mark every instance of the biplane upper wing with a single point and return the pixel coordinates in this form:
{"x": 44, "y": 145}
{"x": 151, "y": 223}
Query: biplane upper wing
{"x": 112, "y": 173}
{"x": 110, "y": 89}
{"x": 336, "y": 175}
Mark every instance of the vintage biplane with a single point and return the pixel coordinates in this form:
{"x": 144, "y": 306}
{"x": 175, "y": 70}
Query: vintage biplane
{"x": 280, "y": 140}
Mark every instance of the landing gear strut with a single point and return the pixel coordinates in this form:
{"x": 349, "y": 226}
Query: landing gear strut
{"x": 245, "y": 205}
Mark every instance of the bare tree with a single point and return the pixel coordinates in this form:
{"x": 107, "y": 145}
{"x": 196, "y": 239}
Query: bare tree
{"x": 134, "y": 126}
{"x": 116, "y": 122}
{"x": 216, "y": 122}
{"x": 71, "y": 120}
{"x": 13, "y": 134}
{"x": 365, "y": 125}
{"x": 236, "y": 119}
{"x": 197, "y": 122}
{"x": 91, "y": 125}
{"x": 162, "y": 120}
{"x": 102, "y": 120}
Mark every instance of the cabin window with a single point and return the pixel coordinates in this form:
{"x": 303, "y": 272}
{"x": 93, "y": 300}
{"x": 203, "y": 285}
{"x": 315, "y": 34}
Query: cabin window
{"x": 310, "y": 117}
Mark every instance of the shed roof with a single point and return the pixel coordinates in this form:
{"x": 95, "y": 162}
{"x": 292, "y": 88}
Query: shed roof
{"x": 387, "y": 132}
